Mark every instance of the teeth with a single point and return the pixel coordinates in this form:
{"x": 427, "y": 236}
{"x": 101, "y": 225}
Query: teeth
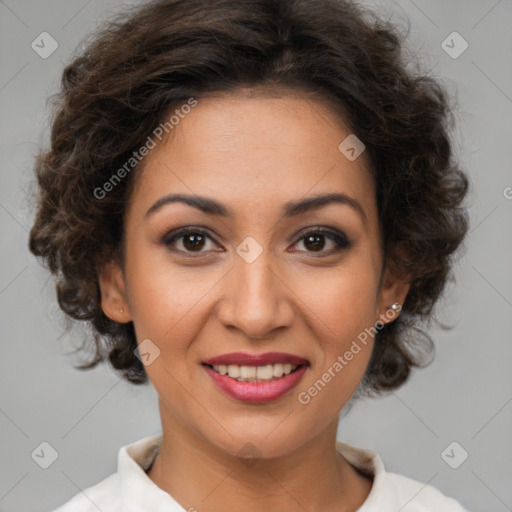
{"x": 247, "y": 372}
{"x": 265, "y": 372}
{"x": 278, "y": 370}
{"x": 244, "y": 373}
{"x": 232, "y": 369}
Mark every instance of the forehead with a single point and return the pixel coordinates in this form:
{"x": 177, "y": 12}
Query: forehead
{"x": 249, "y": 151}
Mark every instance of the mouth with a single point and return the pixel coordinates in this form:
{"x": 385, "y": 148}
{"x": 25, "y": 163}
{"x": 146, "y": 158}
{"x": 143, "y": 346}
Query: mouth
{"x": 256, "y": 378}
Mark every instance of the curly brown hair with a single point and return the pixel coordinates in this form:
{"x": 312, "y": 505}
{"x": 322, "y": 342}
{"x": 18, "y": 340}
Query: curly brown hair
{"x": 144, "y": 63}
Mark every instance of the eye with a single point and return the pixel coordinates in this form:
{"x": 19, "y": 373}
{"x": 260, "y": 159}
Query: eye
{"x": 187, "y": 240}
{"x": 315, "y": 241}
{"x": 195, "y": 240}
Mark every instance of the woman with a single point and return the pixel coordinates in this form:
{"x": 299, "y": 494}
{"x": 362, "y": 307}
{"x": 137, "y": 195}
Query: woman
{"x": 253, "y": 204}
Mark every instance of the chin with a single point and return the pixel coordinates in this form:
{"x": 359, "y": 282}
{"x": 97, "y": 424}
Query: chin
{"x": 261, "y": 440}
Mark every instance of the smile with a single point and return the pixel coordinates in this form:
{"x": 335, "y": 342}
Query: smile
{"x": 256, "y": 378}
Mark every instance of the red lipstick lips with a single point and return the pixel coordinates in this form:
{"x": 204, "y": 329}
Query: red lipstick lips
{"x": 256, "y": 391}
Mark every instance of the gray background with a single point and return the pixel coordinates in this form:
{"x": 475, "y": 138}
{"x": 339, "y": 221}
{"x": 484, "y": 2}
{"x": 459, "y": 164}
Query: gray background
{"x": 464, "y": 396}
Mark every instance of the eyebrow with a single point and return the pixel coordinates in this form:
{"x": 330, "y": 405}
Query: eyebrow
{"x": 291, "y": 209}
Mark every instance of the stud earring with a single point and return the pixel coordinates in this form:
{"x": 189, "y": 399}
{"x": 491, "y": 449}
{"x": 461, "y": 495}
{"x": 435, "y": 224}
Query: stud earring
{"x": 395, "y": 307}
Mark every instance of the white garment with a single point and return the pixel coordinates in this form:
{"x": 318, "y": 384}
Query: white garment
{"x": 131, "y": 490}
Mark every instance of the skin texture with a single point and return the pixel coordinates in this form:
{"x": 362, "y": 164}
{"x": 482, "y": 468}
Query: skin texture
{"x": 253, "y": 154}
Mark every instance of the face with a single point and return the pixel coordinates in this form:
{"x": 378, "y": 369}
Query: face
{"x": 256, "y": 274}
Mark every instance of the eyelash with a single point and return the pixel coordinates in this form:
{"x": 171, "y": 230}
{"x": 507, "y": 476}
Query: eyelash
{"x": 339, "y": 239}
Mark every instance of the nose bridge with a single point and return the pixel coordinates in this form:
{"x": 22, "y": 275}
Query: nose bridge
{"x": 255, "y": 300}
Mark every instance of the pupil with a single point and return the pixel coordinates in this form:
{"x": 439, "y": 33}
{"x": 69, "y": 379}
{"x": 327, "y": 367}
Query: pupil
{"x": 312, "y": 241}
{"x": 193, "y": 241}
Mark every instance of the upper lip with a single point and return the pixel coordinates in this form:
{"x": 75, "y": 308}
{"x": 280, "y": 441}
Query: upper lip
{"x": 246, "y": 359}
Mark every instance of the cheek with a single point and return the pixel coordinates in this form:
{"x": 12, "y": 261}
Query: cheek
{"x": 169, "y": 307}
{"x": 345, "y": 315}
{"x": 341, "y": 307}
{"x": 340, "y": 301}
{"x": 165, "y": 300}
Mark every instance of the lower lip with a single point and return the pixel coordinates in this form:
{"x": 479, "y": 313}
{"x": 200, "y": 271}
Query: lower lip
{"x": 256, "y": 392}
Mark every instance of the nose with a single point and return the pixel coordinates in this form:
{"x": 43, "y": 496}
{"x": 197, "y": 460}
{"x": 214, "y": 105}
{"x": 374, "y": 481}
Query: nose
{"x": 256, "y": 299}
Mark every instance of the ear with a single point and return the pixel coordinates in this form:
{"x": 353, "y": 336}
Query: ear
{"x": 393, "y": 290}
{"x": 113, "y": 293}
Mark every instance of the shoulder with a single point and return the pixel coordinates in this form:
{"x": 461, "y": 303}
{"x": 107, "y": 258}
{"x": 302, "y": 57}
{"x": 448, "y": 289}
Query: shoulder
{"x": 414, "y": 496}
{"x": 129, "y": 484}
{"x": 99, "y": 496}
{"x": 391, "y": 491}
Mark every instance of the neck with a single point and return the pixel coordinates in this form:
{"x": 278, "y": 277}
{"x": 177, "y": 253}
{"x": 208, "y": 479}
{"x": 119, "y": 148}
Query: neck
{"x": 201, "y": 476}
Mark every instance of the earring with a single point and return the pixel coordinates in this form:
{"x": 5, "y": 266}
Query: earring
{"x": 395, "y": 307}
